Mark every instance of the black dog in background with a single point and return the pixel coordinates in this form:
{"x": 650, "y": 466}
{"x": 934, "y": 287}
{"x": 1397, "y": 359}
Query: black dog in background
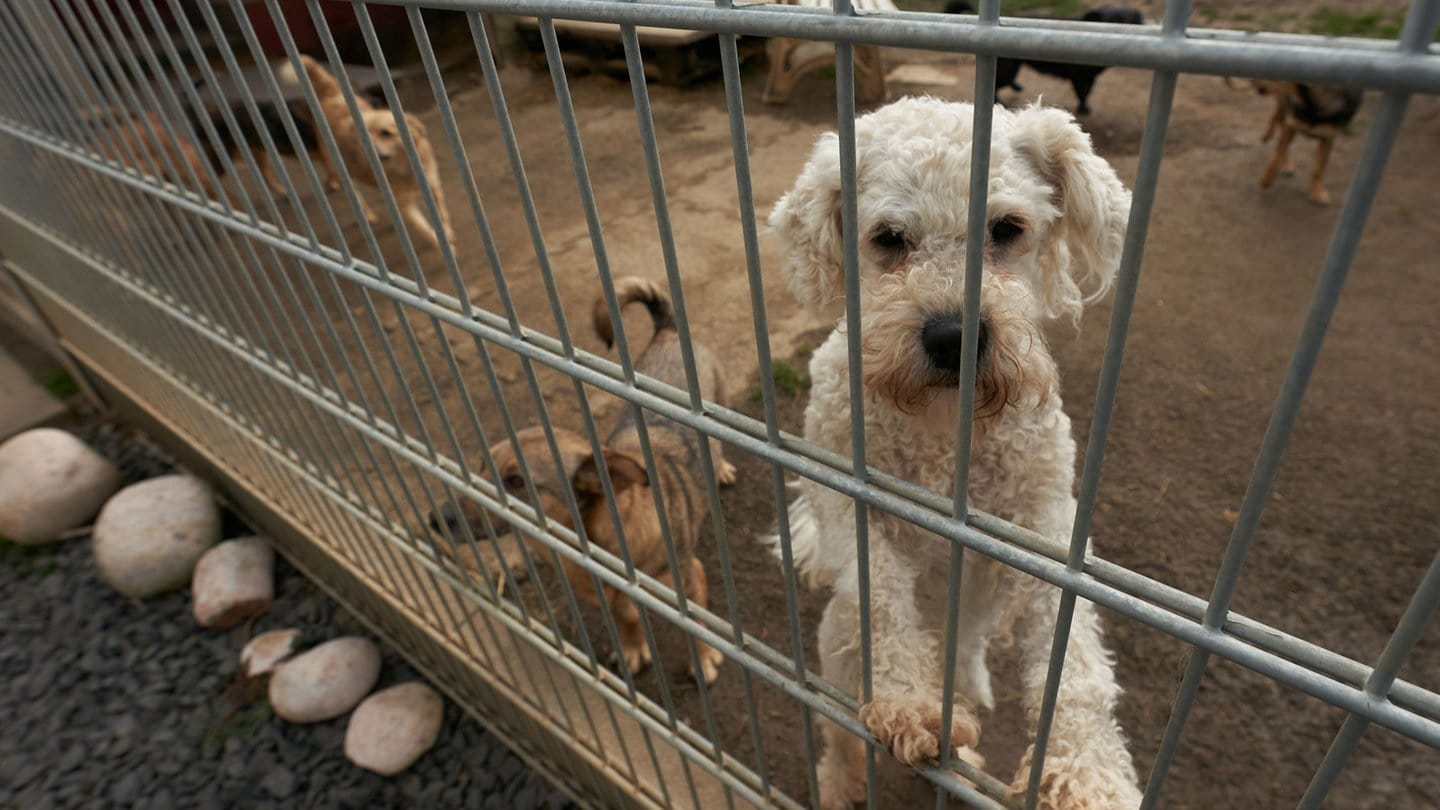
{"x": 1082, "y": 77}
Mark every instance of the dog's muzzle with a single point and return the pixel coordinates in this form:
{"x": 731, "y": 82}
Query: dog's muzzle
{"x": 942, "y": 337}
{"x": 445, "y": 521}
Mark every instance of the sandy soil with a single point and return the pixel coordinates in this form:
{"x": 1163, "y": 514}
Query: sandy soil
{"x": 1227, "y": 276}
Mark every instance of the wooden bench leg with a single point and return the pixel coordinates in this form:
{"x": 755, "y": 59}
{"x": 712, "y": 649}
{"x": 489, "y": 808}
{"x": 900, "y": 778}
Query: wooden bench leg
{"x": 870, "y": 75}
{"x": 779, "y": 79}
{"x": 782, "y": 76}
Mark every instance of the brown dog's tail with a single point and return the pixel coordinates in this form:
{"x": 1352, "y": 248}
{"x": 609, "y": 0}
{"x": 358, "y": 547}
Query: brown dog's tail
{"x": 324, "y": 81}
{"x": 629, "y": 290}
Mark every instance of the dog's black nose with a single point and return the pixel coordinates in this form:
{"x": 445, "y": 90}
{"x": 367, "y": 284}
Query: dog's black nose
{"x": 942, "y": 338}
{"x": 444, "y": 521}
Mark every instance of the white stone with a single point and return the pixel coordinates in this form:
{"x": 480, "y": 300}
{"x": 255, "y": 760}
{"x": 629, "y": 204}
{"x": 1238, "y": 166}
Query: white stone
{"x": 50, "y": 482}
{"x": 394, "y": 727}
{"x": 326, "y": 681}
{"x": 233, "y": 581}
{"x": 150, "y": 535}
{"x": 266, "y": 651}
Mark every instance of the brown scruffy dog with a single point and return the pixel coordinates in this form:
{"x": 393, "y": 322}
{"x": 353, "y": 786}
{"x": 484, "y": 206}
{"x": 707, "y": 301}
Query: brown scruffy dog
{"x": 676, "y": 450}
{"x": 385, "y": 137}
{"x": 1322, "y": 113}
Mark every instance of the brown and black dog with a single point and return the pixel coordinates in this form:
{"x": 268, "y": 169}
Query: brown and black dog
{"x": 1322, "y": 113}
{"x": 676, "y": 451}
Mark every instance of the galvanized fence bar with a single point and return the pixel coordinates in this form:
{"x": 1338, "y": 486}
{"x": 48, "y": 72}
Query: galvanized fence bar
{"x": 1418, "y": 615}
{"x": 1157, "y": 119}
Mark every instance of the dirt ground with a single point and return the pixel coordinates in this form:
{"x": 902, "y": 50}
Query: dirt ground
{"x": 1227, "y": 277}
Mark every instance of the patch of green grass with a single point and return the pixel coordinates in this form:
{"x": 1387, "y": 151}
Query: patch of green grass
{"x": 36, "y": 561}
{"x": 1373, "y": 24}
{"x": 1059, "y": 9}
{"x": 59, "y": 383}
{"x": 238, "y": 725}
{"x": 789, "y": 380}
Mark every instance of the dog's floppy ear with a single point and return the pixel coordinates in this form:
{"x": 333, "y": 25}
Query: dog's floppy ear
{"x": 1078, "y": 259}
{"x": 807, "y": 220}
{"x": 626, "y": 471}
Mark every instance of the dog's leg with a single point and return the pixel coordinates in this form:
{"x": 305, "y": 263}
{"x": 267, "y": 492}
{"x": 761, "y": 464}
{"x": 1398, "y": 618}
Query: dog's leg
{"x": 1277, "y": 119}
{"x": 698, "y": 591}
{"x": 267, "y": 170}
{"x": 1087, "y": 764}
{"x": 980, "y": 615}
{"x": 906, "y": 711}
{"x": 414, "y": 215}
{"x": 432, "y": 176}
{"x": 1318, "y": 194}
{"x": 1083, "y": 85}
{"x": 841, "y": 771}
{"x": 1279, "y": 158}
{"x": 632, "y": 634}
{"x": 724, "y": 470}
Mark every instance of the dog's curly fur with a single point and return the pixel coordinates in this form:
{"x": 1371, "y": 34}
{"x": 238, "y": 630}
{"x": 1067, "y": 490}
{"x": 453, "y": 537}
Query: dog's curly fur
{"x": 1057, "y": 215}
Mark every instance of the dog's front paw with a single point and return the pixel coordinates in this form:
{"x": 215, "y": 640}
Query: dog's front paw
{"x": 1070, "y": 784}
{"x": 842, "y": 794}
{"x": 725, "y": 473}
{"x": 909, "y": 726}
{"x": 1320, "y": 196}
{"x": 710, "y": 660}
{"x": 637, "y": 658}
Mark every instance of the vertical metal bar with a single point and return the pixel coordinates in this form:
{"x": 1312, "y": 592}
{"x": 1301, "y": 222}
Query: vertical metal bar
{"x": 849, "y": 218}
{"x": 507, "y": 132}
{"x": 1407, "y": 633}
{"x": 975, "y": 233}
{"x": 740, "y": 154}
{"x": 587, "y": 197}
{"x": 1157, "y": 120}
{"x": 650, "y": 147}
{"x": 1343, "y": 244}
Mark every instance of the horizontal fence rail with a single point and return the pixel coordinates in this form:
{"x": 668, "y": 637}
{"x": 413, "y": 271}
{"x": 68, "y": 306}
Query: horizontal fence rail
{"x": 187, "y": 191}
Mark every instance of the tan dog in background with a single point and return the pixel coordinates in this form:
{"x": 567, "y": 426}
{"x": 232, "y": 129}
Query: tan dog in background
{"x": 676, "y": 451}
{"x": 384, "y": 135}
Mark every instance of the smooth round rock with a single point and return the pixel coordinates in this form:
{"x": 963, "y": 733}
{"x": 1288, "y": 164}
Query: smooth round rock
{"x": 394, "y": 727}
{"x": 150, "y": 535}
{"x": 50, "y": 482}
{"x": 266, "y": 651}
{"x": 326, "y": 681}
{"x": 233, "y": 581}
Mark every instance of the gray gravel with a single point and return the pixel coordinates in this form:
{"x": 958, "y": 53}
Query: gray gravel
{"x": 105, "y": 702}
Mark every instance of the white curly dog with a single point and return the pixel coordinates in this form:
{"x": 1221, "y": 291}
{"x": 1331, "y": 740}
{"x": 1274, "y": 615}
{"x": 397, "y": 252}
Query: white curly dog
{"x": 1056, "y": 222}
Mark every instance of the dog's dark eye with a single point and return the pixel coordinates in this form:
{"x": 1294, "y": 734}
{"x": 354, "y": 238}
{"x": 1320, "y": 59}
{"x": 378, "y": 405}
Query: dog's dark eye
{"x": 1004, "y": 231}
{"x": 890, "y": 239}
{"x": 514, "y": 482}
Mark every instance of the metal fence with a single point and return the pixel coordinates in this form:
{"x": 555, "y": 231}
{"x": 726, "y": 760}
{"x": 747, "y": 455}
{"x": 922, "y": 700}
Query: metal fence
{"x": 345, "y": 379}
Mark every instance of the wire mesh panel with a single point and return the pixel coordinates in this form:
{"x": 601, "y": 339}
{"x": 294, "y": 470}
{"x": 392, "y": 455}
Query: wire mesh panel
{"x": 382, "y": 282}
